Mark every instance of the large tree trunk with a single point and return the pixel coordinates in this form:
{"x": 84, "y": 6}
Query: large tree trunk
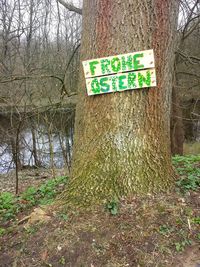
{"x": 122, "y": 140}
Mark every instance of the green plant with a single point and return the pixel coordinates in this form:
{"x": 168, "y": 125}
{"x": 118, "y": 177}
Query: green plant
{"x": 180, "y": 246}
{"x": 165, "y": 229}
{"x": 30, "y": 196}
{"x": 62, "y": 260}
{"x": 187, "y": 159}
{"x": 8, "y": 206}
{"x": 31, "y": 229}
{"x": 198, "y": 236}
{"x": 63, "y": 216}
{"x": 189, "y": 171}
{"x": 45, "y": 194}
{"x": 50, "y": 189}
{"x": 196, "y": 220}
{"x": 2, "y": 231}
{"x": 6, "y": 200}
{"x": 189, "y": 183}
{"x": 113, "y": 206}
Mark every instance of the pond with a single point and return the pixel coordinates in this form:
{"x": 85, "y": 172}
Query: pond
{"x": 36, "y": 140}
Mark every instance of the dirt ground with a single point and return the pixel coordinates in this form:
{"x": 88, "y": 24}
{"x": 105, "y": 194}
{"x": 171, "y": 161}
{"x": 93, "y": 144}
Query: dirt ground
{"x": 155, "y": 231}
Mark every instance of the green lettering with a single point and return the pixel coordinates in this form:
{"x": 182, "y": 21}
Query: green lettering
{"x": 127, "y": 63}
{"x": 104, "y": 86}
{"x": 95, "y": 86}
{"x": 142, "y": 79}
{"x": 131, "y": 80}
{"x": 121, "y": 82}
{"x": 115, "y": 64}
{"x": 137, "y": 62}
{"x": 114, "y": 83}
{"x": 93, "y": 67}
{"x": 105, "y": 63}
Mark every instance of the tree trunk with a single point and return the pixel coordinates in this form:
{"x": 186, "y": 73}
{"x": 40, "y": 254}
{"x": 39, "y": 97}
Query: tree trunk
{"x": 122, "y": 140}
{"x": 34, "y": 144}
{"x": 177, "y": 130}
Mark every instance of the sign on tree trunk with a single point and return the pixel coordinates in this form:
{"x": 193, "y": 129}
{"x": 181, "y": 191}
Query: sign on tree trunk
{"x": 120, "y": 73}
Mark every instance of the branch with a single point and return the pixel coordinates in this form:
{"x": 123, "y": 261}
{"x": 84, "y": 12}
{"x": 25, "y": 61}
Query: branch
{"x": 64, "y": 87}
{"x": 185, "y": 35}
{"x": 195, "y": 114}
{"x": 190, "y": 16}
{"x": 19, "y": 78}
{"x": 74, "y": 52}
{"x": 189, "y": 58}
{"x": 189, "y": 73}
{"x": 70, "y": 7}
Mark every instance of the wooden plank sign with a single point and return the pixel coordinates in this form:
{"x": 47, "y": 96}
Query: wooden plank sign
{"x": 121, "y": 82}
{"x": 120, "y": 73}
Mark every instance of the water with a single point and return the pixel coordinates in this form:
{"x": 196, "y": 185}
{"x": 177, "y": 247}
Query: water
{"x": 47, "y": 143}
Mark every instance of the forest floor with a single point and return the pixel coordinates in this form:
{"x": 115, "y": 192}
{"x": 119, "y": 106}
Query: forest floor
{"x": 27, "y": 176}
{"x": 151, "y": 231}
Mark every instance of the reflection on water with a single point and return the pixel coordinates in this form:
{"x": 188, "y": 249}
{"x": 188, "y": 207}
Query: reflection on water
{"x": 6, "y": 162}
{"x": 46, "y": 143}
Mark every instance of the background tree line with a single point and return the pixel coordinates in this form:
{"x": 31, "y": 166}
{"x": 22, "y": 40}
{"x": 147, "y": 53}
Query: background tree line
{"x": 39, "y": 63}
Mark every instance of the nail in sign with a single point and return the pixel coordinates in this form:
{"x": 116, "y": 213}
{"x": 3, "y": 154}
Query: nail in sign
{"x": 120, "y": 73}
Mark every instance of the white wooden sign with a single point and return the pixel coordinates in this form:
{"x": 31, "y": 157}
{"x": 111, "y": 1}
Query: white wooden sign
{"x": 121, "y": 82}
{"x": 119, "y": 73}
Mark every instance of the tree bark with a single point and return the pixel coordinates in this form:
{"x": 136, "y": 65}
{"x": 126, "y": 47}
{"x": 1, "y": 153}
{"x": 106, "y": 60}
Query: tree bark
{"x": 122, "y": 140}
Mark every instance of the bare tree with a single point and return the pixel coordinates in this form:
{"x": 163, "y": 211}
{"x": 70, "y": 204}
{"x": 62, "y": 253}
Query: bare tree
{"x": 186, "y": 71}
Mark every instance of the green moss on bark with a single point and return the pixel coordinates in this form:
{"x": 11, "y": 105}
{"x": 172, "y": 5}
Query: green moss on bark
{"x": 103, "y": 179}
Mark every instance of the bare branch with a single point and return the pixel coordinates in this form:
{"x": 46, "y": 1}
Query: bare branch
{"x": 192, "y": 29}
{"x": 25, "y": 77}
{"x": 195, "y": 114}
{"x": 188, "y": 73}
{"x": 71, "y": 7}
{"x": 190, "y": 16}
{"x": 188, "y": 57}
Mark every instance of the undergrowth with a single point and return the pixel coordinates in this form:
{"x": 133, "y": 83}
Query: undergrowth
{"x": 10, "y": 204}
{"x": 188, "y": 168}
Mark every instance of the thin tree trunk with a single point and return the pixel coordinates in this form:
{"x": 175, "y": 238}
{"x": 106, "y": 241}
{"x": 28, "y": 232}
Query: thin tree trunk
{"x": 122, "y": 140}
{"x": 34, "y": 151}
{"x": 177, "y": 130}
{"x": 17, "y": 158}
{"x": 176, "y": 127}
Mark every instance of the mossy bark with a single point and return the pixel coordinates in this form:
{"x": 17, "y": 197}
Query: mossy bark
{"x": 122, "y": 140}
